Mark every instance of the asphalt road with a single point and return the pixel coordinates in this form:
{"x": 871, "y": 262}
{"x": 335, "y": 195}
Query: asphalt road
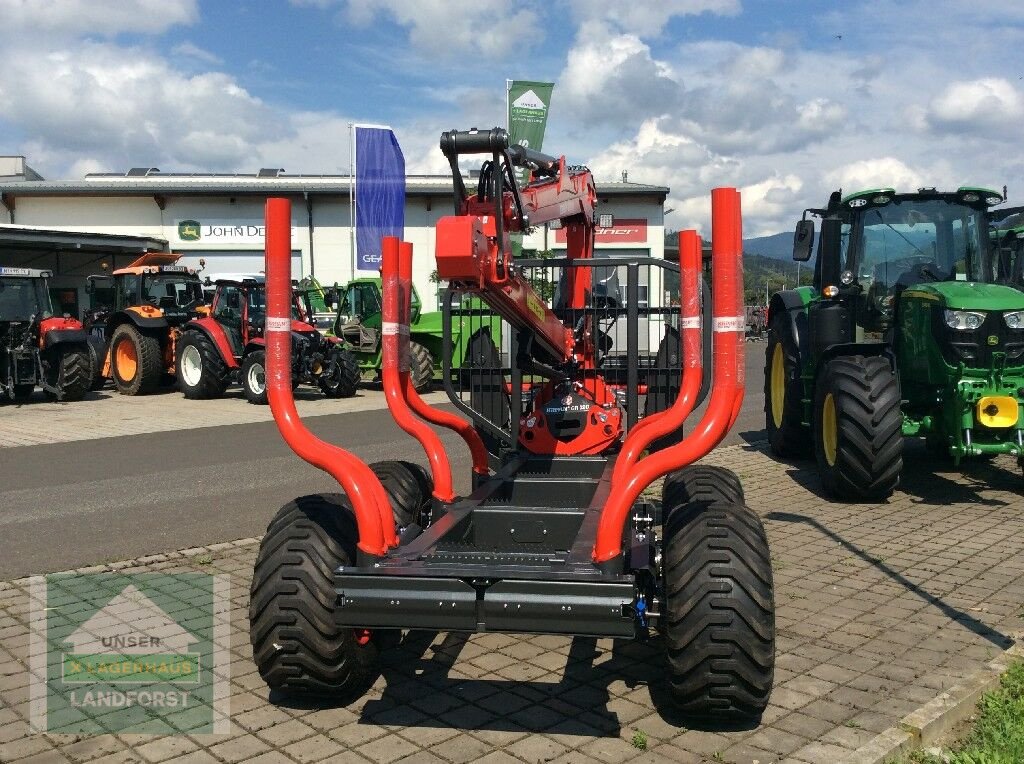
{"x": 68, "y": 505}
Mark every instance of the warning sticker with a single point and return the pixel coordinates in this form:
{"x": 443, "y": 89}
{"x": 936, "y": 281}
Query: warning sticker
{"x": 690, "y": 322}
{"x": 275, "y": 324}
{"x": 729, "y": 324}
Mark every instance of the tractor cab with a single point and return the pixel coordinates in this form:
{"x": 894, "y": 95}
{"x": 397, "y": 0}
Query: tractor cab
{"x": 23, "y": 296}
{"x": 152, "y": 286}
{"x": 1007, "y": 236}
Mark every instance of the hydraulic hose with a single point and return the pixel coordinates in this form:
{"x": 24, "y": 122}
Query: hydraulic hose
{"x": 374, "y": 518}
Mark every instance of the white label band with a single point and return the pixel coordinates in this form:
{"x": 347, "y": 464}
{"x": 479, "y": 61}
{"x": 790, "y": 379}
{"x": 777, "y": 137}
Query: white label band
{"x": 729, "y": 324}
{"x": 393, "y": 328}
{"x": 690, "y": 322}
{"x": 275, "y": 324}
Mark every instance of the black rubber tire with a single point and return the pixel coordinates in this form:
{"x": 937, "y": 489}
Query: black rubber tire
{"x": 409, "y": 488}
{"x": 869, "y": 441}
{"x": 255, "y": 395}
{"x": 345, "y": 380}
{"x": 296, "y": 644}
{"x": 421, "y": 367}
{"x": 789, "y": 438}
{"x": 67, "y": 367}
{"x": 96, "y": 359}
{"x": 23, "y": 392}
{"x": 701, "y": 483}
{"x": 213, "y": 375}
{"x": 481, "y": 375}
{"x": 719, "y": 622}
{"x": 150, "y": 367}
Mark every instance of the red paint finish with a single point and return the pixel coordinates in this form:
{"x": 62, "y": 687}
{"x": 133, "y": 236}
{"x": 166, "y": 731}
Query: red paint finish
{"x": 372, "y": 509}
{"x": 727, "y": 393}
{"x": 602, "y": 420}
{"x": 215, "y": 332}
{"x": 56, "y": 323}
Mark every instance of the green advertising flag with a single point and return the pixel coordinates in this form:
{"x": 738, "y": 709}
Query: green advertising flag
{"x": 528, "y": 104}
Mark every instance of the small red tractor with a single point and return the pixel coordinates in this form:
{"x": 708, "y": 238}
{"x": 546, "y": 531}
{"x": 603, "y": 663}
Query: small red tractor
{"x": 229, "y": 345}
{"x": 135, "y": 319}
{"x": 38, "y": 348}
{"x": 559, "y": 536}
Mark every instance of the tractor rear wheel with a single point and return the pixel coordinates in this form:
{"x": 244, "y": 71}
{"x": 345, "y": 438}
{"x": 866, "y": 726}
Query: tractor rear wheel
{"x": 135, "y": 360}
{"x": 344, "y": 381}
{"x": 701, "y": 483}
{"x": 96, "y": 359}
{"x": 783, "y": 392}
{"x": 199, "y": 367}
{"x": 719, "y": 619}
{"x": 858, "y": 428}
{"x": 254, "y": 377}
{"x": 421, "y": 367}
{"x": 408, "y": 486}
{"x": 67, "y": 368}
{"x": 23, "y": 392}
{"x": 296, "y": 644}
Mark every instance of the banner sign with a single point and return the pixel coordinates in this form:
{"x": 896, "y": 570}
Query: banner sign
{"x": 379, "y": 195}
{"x": 528, "y": 104}
{"x": 622, "y": 231}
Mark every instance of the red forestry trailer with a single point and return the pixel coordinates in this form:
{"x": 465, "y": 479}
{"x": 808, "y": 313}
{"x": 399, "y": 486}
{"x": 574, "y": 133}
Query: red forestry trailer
{"x": 556, "y": 535}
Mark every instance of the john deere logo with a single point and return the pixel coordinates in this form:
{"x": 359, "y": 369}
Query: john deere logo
{"x": 188, "y": 230}
{"x": 993, "y": 339}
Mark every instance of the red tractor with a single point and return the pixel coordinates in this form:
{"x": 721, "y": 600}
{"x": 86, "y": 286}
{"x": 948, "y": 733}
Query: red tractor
{"x": 229, "y": 346}
{"x": 38, "y": 348}
{"x": 558, "y": 537}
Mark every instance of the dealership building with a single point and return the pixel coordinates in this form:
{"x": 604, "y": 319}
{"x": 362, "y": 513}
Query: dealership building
{"x": 104, "y": 221}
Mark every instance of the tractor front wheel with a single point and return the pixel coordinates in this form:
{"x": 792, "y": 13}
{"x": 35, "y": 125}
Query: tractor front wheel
{"x": 421, "y": 367}
{"x": 343, "y": 381}
{"x": 68, "y": 369}
{"x": 23, "y": 392}
{"x": 719, "y": 613}
{"x": 858, "y": 428}
{"x": 135, "y": 360}
{"x": 296, "y": 644}
{"x": 199, "y": 367}
{"x": 783, "y": 392}
{"x": 254, "y": 377}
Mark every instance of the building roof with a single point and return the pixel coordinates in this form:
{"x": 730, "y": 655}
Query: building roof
{"x": 26, "y": 237}
{"x": 157, "y": 183}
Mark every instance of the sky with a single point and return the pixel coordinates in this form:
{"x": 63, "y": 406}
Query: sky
{"x": 785, "y": 100}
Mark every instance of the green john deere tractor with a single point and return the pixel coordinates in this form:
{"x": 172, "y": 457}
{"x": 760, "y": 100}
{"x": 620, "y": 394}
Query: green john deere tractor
{"x": 904, "y": 333}
{"x": 1007, "y": 234}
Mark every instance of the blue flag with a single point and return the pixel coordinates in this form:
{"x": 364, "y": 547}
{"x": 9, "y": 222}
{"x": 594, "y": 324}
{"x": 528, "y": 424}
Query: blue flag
{"x": 379, "y": 193}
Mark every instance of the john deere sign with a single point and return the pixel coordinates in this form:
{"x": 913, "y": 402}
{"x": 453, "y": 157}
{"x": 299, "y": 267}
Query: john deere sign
{"x": 140, "y": 653}
{"x": 221, "y": 231}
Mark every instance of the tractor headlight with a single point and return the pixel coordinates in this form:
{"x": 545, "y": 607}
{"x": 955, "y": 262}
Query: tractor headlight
{"x": 964, "y": 319}
{"x": 1014, "y": 319}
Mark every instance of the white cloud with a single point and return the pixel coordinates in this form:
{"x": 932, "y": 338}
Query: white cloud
{"x": 190, "y": 50}
{"x": 450, "y": 28}
{"x": 992, "y": 104}
{"x": 648, "y": 17}
{"x": 98, "y": 18}
{"x": 883, "y": 172}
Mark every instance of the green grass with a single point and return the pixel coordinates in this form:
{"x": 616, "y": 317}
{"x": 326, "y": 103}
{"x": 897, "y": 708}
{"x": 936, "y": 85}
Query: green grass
{"x": 998, "y": 733}
{"x": 639, "y": 739}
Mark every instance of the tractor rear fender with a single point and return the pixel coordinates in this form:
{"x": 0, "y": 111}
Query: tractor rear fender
{"x": 791, "y": 304}
{"x": 216, "y": 335}
{"x": 143, "y": 322}
{"x": 62, "y": 336}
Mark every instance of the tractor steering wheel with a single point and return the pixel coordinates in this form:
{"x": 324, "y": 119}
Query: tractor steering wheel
{"x": 919, "y": 269}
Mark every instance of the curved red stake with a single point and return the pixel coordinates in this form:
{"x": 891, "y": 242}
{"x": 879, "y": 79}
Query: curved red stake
{"x": 395, "y": 327}
{"x": 649, "y": 429}
{"x": 727, "y": 275}
{"x": 446, "y": 419}
{"x": 361, "y": 485}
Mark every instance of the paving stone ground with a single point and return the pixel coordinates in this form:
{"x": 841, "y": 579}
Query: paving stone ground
{"x": 880, "y": 608}
{"x": 106, "y": 414}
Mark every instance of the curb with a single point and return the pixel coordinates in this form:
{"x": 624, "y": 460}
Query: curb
{"x": 926, "y": 726}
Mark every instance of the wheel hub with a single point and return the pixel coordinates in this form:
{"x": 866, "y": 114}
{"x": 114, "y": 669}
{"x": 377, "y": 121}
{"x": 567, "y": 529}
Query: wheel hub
{"x": 191, "y": 365}
{"x": 829, "y": 430}
{"x": 778, "y": 386}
